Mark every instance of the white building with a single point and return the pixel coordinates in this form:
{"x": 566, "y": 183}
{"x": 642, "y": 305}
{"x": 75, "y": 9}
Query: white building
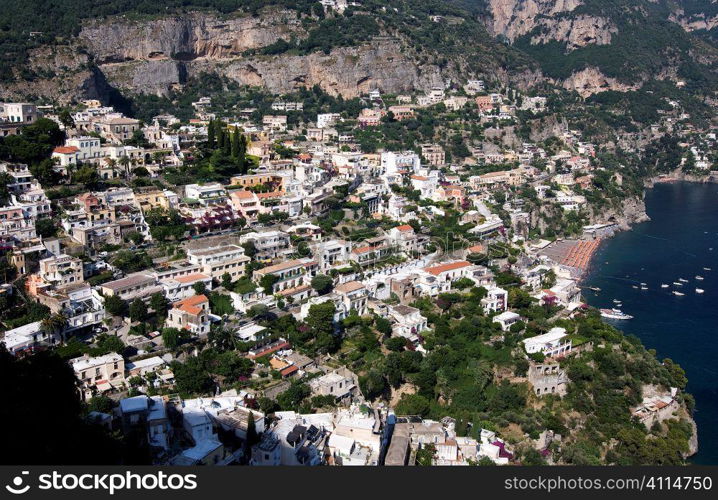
{"x": 553, "y": 343}
{"x": 506, "y": 319}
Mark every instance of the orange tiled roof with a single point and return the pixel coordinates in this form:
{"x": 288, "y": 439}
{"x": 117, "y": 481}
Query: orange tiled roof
{"x": 365, "y": 249}
{"x": 349, "y": 286}
{"x": 64, "y": 150}
{"x": 242, "y": 194}
{"x": 271, "y": 194}
{"x": 404, "y": 227}
{"x": 190, "y": 278}
{"x": 437, "y": 270}
{"x": 191, "y": 304}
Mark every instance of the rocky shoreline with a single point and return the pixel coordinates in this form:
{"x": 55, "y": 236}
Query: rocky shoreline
{"x": 632, "y": 212}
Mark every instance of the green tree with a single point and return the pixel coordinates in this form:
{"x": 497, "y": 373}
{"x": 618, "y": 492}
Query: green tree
{"x": 101, "y": 404}
{"x": 191, "y": 377}
{"x": 86, "y": 175}
{"x": 115, "y": 306}
{"x": 138, "y": 310}
{"x": 173, "y": 337}
{"x": 372, "y": 385}
{"x": 106, "y": 344}
{"x": 54, "y": 324}
{"x": 396, "y": 344}
{"x": 159, "y": 303}
{"x": 199, "y": 288}
{"x": 322, "y": 284}
{"x": 413, "y": 404}
{"x": 267, "y": 283}
{"x": 425, "y": 455}
{"x": 321, "y": 322}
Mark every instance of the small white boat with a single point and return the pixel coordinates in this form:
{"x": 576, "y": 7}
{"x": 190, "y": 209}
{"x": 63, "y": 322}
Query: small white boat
{"x": 677, "y": 283}
{"x": 644, "y": 288}
{"x": 616, "y": 301}
{"x": 700, "y": 278}
{"x": 634, "y": 286}
{"x": 644, "y": 284}
{"x": 706, "y": 268}
{"x": 678, "y": 293}
{"x": 699, "y": 290}
{"x": 663, "y": 285}
{"x": 683, "y": 280}
{"x": 615, "y": 314}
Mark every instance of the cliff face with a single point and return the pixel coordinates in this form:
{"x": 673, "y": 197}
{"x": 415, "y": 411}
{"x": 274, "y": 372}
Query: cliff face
{"x": 576, "y": 32}
{"x": 591, "y": 81}
{"x": 513, "y": 18}
{"x": 548, "y": 20}
{"x": 346, "y": 71}
{"x": 186, "y": 37}
{"x": 153, "y": 56}
{"x": 694, "y": 22}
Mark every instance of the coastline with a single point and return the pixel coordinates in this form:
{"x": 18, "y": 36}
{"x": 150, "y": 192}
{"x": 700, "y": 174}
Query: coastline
{"x": 634, "y": 212}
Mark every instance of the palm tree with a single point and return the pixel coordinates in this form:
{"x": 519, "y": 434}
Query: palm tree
{"x": 125, "y": 162}
{"x": 54, "y": 324}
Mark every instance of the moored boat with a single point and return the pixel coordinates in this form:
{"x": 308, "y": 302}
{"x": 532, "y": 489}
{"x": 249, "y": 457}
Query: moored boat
{"x": 614, "y": 314}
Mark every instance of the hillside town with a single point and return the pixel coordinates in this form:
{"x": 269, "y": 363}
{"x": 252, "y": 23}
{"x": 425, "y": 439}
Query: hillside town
{"x": 256, "y": 289}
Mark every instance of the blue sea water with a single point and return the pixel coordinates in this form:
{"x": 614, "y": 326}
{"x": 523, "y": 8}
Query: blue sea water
{"x": 679, "y": 241}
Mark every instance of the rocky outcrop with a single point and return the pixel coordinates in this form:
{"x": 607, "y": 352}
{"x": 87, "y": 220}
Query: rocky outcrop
{"x": 186, "y": 37}
{"x": 591, "y": 81}
{"x": 693, "y": 440}
{"x": 576, "y": 32}
{"x": 695, "y": 22}
{"x": 631, "y": 211}
{"x": 514, "y": 18}
{"x": 346, "y": 71}
{"x": 155, "y": 56}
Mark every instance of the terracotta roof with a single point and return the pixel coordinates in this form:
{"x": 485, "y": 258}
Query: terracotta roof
{"x": 191, "y": 310}
{"x": 404, "y": 227}
{"x": 65, "y": 150}
{"x": 437, "y": 270}
{"x": 271, "y": 194}
{"x": 281, "y": 266}
{"x": 289, "y": 370}
{"x": 191, "y": 305}
{"x": 278, "y": 364}
{"x": 244, "y": 195}
{"x": 293, "y": 291}
{"x": 191, "y": 278}
{"x": 476, "y": 249}
{"x": 419, "y": 178}
{"x": 365, "y": 249}
{"x": 349, "y": 286}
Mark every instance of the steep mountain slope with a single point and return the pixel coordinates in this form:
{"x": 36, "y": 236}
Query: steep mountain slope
{"x": 596, "y": 45}
{"x": 588, "y": 46}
